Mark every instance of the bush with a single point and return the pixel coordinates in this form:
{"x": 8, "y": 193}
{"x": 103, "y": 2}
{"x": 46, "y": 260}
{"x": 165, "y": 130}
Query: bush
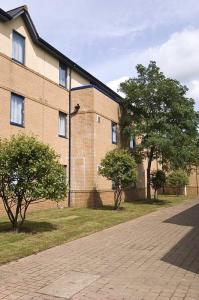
{"x": 158, "y": 180}
{"x": 178, "y": 179}
{"x": 29, "y": 171}
{"x": 119, "y": 167}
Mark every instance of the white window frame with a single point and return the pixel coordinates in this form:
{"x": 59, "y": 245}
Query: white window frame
{"x": 62, "y": 67}
{"x": 132, "y": 142}
{"x": 14, "y": 120}
{"x": 114, "y": 132}
{"x": 64, "y": 116}
{"x": 14, "y": 56}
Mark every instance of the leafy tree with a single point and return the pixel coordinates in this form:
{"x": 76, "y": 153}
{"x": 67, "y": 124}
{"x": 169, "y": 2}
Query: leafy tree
{"x": 178, "y": 179}
{"x": 158, "y": 180}
{"x": 119, "y": 166}
{"x": 29, "y": 171}
{"x": 160, "y": 114}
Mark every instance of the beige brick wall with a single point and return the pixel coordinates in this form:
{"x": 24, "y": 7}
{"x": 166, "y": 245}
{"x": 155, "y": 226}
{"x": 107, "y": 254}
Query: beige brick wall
{"x": 36, "y": 58}
{"x": 37, "y": 82}
{"x": 91, "y": 140}
{"x": 193, "y": 186}
{"x": 42, "y": 102}
{"x": 82, "y": 158}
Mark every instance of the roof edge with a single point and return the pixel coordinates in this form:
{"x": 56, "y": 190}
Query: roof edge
{"x": 89, "y": 86}
{"x": 23, "y": 11}
{"x": 4, "y": 16}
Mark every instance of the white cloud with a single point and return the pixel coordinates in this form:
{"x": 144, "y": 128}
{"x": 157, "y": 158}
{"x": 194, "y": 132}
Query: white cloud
{"x": 194, "y": 91}
{"x": 114, "y": 84}
{"x": 178, "y": 58}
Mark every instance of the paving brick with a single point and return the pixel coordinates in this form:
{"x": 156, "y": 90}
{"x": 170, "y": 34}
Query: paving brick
{"x": 150, "y": 258}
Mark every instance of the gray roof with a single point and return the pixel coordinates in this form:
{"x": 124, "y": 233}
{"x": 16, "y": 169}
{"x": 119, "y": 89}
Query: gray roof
{"x": 23, "y": 12}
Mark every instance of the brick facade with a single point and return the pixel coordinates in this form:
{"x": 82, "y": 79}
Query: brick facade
{"x": 91, "y": 136}
{"x": 91, "y": 133}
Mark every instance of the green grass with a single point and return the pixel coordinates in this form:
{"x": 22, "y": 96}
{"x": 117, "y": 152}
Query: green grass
{"x": 48, "y": 228}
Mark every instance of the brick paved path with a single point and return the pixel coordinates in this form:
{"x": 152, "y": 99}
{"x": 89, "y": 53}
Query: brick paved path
{"x": 152, "y": 257}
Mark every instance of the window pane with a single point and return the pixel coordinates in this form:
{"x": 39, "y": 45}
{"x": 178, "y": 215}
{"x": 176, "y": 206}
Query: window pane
{"x": 114, "y": 133}
{"x": 16, "y": 109}
{"x": 18, "y": 47}
{"x": 62, "y": 124}
{"x": 62, "y": 75}
{"x": 132, "y": 142}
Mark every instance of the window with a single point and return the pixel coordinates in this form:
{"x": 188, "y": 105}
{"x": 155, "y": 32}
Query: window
{"x": 62, "y": 75}
{"x": 132, "y": 142}
{"x": 98, "y": 119}
{"x": 17, "y": 110}
{"x": 62, "y": 124}
{"x": 113, "y": 185}
{"x": 18, "y": 47}
{"x": 114, "y": 133}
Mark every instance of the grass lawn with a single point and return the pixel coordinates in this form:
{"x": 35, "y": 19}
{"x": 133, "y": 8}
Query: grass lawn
{"x": 48, "y": 228}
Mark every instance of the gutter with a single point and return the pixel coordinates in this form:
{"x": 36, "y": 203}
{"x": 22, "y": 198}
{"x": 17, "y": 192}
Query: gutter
{"x": 60, "y": 56}
{"x": 4, "y": 15}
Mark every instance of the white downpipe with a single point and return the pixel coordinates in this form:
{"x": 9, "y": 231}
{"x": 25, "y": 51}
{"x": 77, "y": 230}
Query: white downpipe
{"x": 185, "y": 190}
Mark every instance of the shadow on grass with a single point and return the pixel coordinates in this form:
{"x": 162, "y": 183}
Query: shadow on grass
{"x": 32, "y": 227}
{"x": 109, "y": 207}
{"x": 159, "y": 202}
{"x": 152, "y": 201}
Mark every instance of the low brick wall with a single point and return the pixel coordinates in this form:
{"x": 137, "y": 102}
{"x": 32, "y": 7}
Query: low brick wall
{"x": 171, "y": 191}
{"x": 91, "y": 199}
{"x": 135, "y": 194}
{"x": 37, "y": 206}
{"x": 191, "y": 191}
{"x": 96, "y": 198}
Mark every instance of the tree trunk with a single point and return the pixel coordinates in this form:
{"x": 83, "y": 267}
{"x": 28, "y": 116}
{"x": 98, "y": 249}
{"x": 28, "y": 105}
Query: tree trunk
{"x": 15, "y": 227}
{"x": 15, "y": 224}
{"x": 150, "y": 158}
{"x": 163, "y": 189}
{"x": 197, "y": 179}
{"x": 117, "y": 198}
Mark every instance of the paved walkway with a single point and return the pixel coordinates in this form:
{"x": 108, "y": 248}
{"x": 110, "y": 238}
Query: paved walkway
{"x": 152, "y": 257}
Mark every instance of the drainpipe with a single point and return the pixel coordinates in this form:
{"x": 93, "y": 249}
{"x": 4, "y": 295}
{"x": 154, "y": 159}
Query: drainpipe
{"x": 70, "y": 115}
{"x": 69, "y": 143}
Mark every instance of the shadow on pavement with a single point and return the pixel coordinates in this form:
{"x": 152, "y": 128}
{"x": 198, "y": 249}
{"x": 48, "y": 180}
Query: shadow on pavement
{"x": 185, "y": 254}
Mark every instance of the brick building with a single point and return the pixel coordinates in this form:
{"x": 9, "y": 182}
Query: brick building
{"x": 44, "y": 93}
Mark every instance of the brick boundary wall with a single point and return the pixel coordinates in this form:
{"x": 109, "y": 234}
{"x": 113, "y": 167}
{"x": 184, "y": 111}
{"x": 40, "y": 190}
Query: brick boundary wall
{"x": 192, "y": 191}
{"x": 92, "y": 199}
{"x": 96, "y": 198}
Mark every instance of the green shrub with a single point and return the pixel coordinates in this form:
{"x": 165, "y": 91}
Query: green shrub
{"x": 158, "y": 180}
{"x": 119, "y": 167}
{"x": 178, "y": 179}
{"x": 29, "y": 171}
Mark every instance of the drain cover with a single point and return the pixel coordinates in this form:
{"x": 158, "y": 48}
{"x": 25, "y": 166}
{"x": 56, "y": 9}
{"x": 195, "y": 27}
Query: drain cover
{"x": 69, "y": 284}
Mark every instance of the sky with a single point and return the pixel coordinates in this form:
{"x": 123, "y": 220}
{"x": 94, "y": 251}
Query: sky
{"x": 110, "y": 37}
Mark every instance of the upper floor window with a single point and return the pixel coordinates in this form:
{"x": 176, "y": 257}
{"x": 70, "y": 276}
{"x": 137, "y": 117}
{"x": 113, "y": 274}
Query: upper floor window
{"x": 18, "y": 47}
{"x": 62, "y": 75}
{"x": 132, "y": 142}
{"x": 114, "y": 133}
{"x": 17, "y": 110}
{"x": 62, "y": 124}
